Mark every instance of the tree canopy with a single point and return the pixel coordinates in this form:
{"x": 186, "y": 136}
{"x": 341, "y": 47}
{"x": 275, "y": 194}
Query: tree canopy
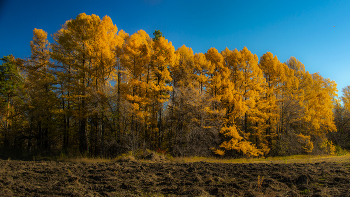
{"x": 97, "y": 91}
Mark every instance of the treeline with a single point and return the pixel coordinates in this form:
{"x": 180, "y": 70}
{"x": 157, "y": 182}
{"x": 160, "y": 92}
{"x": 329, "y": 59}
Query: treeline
{"x": 99, "y": 92}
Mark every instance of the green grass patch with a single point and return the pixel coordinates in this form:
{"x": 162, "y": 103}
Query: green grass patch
{"x": 305, "y": 191}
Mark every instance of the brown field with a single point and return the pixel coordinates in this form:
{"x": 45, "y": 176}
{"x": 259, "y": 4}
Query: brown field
{"x": 284, "y": 176}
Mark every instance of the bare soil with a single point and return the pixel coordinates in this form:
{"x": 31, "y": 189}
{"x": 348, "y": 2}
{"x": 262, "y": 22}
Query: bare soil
{"x": 134, "y": 178}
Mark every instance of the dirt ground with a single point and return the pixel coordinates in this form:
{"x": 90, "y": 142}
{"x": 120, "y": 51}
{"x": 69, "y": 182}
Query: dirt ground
{"x": 136, "y": 178}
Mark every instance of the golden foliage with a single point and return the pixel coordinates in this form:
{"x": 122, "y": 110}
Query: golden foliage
{"x": 328, "y": 146}
{"x": 305, "y": 141}
{"x": 248, "y": 103}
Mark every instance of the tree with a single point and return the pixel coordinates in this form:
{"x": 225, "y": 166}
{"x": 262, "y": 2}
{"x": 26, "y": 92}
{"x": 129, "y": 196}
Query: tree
{"x": 98, "y": 92}
{"x": 306, "y": 106}
{"x": 342, "y": 120}
{"x": 157, "y": 34}
{"x": 188, "y": 131}
{"x": 346, "y": 98}
{"x": 243, "y": 113}
{"x": 11, "y": 88}
{"x": 275, "y": 75}
{"x": 43, "y": 101}
{"x": 181, "y": 74}
{"x": 201, "y": 66}
{"x": 85, "y": 50}
{"x": 136, "y": 59}
{"x": 162, "y": 58}
{"x": 301, "y": 88}
{"x": 120, "y": 76}
{"x": 319, "y": 105}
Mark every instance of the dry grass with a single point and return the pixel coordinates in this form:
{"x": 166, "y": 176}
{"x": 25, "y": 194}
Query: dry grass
{"x": 85, "y": 160}
{"x": 285, "y": 159}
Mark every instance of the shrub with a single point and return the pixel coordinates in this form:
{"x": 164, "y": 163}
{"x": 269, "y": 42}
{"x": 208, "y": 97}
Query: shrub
{"x": 305, "y": 141}
{"x": 328, "y": 146}
{"x": 339, "y": 151}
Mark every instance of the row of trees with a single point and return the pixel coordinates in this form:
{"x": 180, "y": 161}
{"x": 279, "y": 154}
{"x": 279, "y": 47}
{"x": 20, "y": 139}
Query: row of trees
{"x": 101, "y": 92}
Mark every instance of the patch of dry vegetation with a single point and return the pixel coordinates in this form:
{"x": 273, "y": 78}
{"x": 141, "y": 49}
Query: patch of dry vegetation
{"x": 152, "y": 156}
{"x": 85, "y": 160}
{"x": 283, "y": 159}
{"x": 137, "y": 156}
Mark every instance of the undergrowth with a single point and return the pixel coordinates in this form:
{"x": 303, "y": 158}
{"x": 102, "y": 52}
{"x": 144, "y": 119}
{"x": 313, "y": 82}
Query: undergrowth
{"x": 279, "y": 159}
{"x": 139, "y": 155}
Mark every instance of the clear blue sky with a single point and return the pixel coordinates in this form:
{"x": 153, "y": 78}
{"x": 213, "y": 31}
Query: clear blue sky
{"x": 315, "y": 32}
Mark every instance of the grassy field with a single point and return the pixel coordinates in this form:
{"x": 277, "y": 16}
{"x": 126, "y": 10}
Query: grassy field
{"x": 284, "y": 159}
{"x": 279, "y": 160}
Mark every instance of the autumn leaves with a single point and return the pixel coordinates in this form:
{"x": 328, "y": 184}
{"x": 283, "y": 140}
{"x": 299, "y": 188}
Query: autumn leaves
{"x": 254, "y": 101}
{"x": 99, "y": 86}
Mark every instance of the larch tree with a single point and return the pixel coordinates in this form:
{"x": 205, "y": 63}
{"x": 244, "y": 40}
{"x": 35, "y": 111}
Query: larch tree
{"x": 98, "y": 92}
{"x": 241, "y": 103}
{"x": 119, "y": 76}
{"x": 181, "y": 74}
{"x": 40, "y": 81}
{"x": 319, "y": 106}
{"x": 85, "y": 51}
{"x": 136, "y": 57}
{"x": 318, "y": 118}
{"x": 162, "y": 58}
{"x": 106, "y": 42}
{"x": 218, "y": 76}
{"x": 216, "y": 85}
{"x": 274, "y": 73}
{"x": 73, "y": 50}
{"x": 186, "y": 115}
{"x": 309, "y": 108}
{"x": 202, "y": 66}
{"x": 251, "y": 87}
{"x": 301, "y": 87}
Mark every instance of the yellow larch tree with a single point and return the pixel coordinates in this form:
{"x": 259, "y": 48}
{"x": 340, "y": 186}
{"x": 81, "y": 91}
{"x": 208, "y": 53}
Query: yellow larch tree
{"x": 189, "y": 121}
{"x": 182, "y": 73}
{"x": 85, "y": 52}
{"x": 73, "y": 51}
{"x": 163, "y": 57}
{"x": 275, "y": 75}
{"x": 182, "y": 80}
{"x": 313, "y": 102}
{"x": 287, "y": 100}
{"x": 137, "y": 52}
{"x": 302, "y": 85}
{"x": 201, "y": 66}
{"x": 243, "y": 115}
{"x": 252, "y": 90}
{"x": 107, "y": 44}
{"x": 217, "y": 77}
{"x": 40, "y": 81}
{"x": 318, "y": 106}
{"x": 119, "y": 76}
{"x": 217, "y": 83}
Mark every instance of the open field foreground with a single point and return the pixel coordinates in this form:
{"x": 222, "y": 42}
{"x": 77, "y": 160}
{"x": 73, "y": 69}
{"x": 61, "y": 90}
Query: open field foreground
{"x": 127, "y": 177}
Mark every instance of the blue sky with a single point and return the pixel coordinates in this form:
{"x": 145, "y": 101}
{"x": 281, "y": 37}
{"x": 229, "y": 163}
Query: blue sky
{"x": 315, "y": 32}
